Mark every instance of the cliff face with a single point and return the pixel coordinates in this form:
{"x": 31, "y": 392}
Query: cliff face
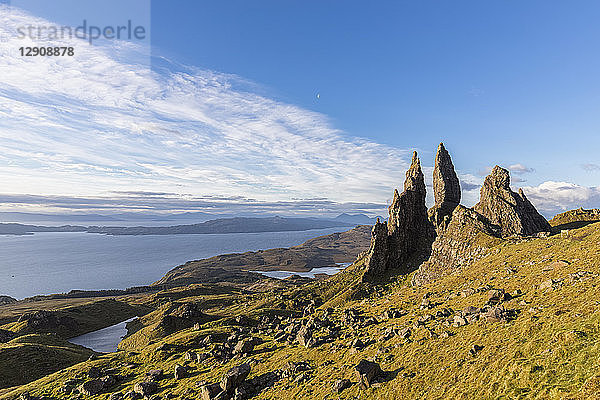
{"x": 468, "y": 234}
{"x": 409, "y": 232}
{"x": 513, "y": 212}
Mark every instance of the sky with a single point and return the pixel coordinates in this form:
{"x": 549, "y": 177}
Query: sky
{"x": 217, "y": 109}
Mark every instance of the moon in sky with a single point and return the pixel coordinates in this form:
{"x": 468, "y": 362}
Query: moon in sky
{"x": 318, "y": 95}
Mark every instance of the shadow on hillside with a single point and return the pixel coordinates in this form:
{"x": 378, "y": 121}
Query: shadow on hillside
{"x": 572, "y": 225}
{"x": 387, "y": 376}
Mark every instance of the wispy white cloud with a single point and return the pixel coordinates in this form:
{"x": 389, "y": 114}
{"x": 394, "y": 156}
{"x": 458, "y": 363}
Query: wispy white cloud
{"x": 97, "y": 122}
{"x": 520, "y": 169}
{"x": 470, "y": 185}
{"x": 516, "y": 169}
{"x": 484, "y": 171}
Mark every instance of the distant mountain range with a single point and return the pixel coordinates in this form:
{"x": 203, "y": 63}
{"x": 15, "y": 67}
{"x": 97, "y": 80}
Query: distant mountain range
{"x": 131, "y": 218}
{"x": 122, "y": 218}
{"x": 357, "y": 219}
{"x": 215, "y": 226}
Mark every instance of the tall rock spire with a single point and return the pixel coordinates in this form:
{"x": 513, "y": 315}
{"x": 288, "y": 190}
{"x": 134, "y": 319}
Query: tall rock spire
{"x": 409, "y": 232}
{"x": 513, "y": 212}
{"x": 415, "y": 181}
{"x": 446, "y": 187}
{"x": 408, "y": 206}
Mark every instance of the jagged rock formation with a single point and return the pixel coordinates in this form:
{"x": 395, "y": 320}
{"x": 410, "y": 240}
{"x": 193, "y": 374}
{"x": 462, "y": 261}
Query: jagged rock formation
{"x": 446, "y": 189}
{"x": 468, "y": 234}
{"x": 513, "y": 212}
{"x": 378, "y": 253}
{"x": 448, "y": 236}
{"x": 466, "y": 239}
{"x": 409, "y": 231}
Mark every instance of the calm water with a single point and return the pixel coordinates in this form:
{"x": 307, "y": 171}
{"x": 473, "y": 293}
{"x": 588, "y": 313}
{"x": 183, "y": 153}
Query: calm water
{"x": 309, "y": 274}
{"x": 103, "y": 340}
{"x": 46, "y": 263}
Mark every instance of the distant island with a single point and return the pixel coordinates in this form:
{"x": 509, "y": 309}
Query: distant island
{"x": 216, "y": 226}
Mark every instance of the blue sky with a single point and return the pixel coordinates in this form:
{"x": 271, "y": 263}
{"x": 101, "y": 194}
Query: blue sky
{"x": 500, "y": 82}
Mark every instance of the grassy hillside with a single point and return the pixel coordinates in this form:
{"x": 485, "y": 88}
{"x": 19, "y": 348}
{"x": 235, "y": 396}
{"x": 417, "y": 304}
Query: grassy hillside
{"x": 539, "y": 338}
{"x": 30, "y": 357}
{"x": 574, "y": 219}
{"x": 38, "y": 330}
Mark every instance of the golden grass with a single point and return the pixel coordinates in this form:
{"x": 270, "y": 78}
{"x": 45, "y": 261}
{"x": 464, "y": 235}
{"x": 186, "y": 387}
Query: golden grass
{"x": 550, "y": 351}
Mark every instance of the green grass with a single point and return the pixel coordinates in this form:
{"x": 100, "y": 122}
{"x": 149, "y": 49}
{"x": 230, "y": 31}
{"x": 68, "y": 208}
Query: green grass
{"x": 33, "y": 356}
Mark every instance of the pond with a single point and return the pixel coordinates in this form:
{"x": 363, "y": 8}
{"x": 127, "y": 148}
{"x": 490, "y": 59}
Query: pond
{"x": 309, "y": 274}
{"x": 103, "y": 340}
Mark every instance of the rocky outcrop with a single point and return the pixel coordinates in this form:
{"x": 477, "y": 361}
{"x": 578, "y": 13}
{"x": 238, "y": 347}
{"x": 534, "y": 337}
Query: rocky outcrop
{"x": 6, "y": 336}
{"x": 190, "y": 311}
{"x": 234, "y": 377}
{"x": 91, "y": 388}
{"x": 145, "y": 389}
{"x": 180, "y": 372}
{"x": 513, "y": 212}
{"x": 47, "y": 321}
{"x": 179, "y": 316}
{"x": 446, "y": 189}
{"x": 377, "y": 261}
{"x": 467, "y": 238}
{"x": 7, "y": 300}
{"x": 467, "y": 235}
{"x": 366, "y": 372}
{"x": 409, "y": 231}
{"x": 574, "y": 219}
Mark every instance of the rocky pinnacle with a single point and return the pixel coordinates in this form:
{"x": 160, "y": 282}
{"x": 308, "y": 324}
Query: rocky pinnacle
{"x": 409, "y": 232}
{"x": 446, "y": 187}
{"x": 442, "y": 238}
{"x": 408, "y": 209}
{"x": 415, "y": 181}
{"x": 513, "y": 212}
